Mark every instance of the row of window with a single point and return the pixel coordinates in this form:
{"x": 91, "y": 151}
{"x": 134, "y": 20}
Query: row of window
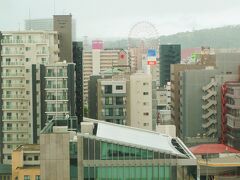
{"x": 94, "y": 149}
{"x": 130, "y": 172}
{"x": 108, "y": 88}
{"x": 110, "y": 100}
{"x": 27, "y": 177}
{"x": 117, "y": 112}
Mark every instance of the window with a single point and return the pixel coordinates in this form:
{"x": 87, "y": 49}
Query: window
{"x": 26, "y": 177}
{"x": 145, "y": 93}
{"x": 108, "y": 89}
{"x": 27, "y": 81}
{"x": 108, "y": 101}
{"x": 36, "y": 158}
{"x": 27, "y": 70}
{"x": 28, "y": 48}
{"x": 37, "y": 177}
{"x": 145, "y": 113}
{"x": 119, "y": 112}
{"x": 108, "y": 112}
{"x": 119, "y": 100}
{"x": 28, "y": 59}
{"x": 145, "y": 124}
{"x": 9, "y": 157}
{"x": 119, "y": 87}
{"x": 145, "y": 83}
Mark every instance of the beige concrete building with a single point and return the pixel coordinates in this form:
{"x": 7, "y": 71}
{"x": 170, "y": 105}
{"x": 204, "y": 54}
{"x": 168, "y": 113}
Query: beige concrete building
{"x": 26, "y": 162}
{"x": 140, "y": 101}
{"x": 97, "y": 61}
{"x": 22, "y": 52}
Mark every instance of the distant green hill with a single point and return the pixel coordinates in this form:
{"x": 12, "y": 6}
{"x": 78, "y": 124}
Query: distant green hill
{"x": 222, "y": 37}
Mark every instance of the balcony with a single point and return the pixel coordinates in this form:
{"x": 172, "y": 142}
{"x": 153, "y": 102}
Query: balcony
{"x": 42, "y": 53}
{"x": 14, "y": 118}
{"x": 12, "y": 75}
{"x": 56, "y": 75}
{"x": 56, "y": 110}
{"x": 233, "y": 123}
{"x": 15, "y": 108}
{"x": 15, "y": 129}
{"x": 14, "y": 64}
{"x": 31, "y": 163}
{"x": 13, "y": 86}
{"x": 12, "y": 41}
{"x": 12, "y": 53}
{"x": 15, "y": 140}
{"x": 54, "y": 86}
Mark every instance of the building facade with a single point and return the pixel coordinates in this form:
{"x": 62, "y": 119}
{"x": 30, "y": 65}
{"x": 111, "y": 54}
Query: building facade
{"x": 230, "y": 116}
{"x": 21, "y": 52}
{"x": 97, "y": 61}
{"x": 140, "y": 107}
{"x": 39, "y": 24}
{"x": 169, "y": 54}
{"x": 99, "y": 152}
{"x": 63, "y": 25}
{"x": 78, "y": 60}
{"x": 26, "y": 162}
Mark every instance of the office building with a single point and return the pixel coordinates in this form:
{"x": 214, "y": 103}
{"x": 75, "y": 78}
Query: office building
{"x": 78, "y": 60}
{"x": 21, "y": 52}
{"x": 109, "y": 151}
{"x": 97, "y": 61}
{"x": 39, "y": 24}
{"x": 169, "y": 54}
{"x": 63, "y": 25}
{"x": 26, "y": 162}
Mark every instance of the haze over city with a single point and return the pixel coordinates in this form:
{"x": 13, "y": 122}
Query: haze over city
{"x": 109, "y": 18}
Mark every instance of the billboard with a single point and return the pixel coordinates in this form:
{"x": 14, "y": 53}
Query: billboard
{"x": 151, "y": 57}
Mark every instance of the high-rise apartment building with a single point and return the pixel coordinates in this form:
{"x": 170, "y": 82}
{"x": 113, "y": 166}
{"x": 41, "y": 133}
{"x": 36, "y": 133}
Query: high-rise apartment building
{"x": 97, "y": 61}
{"x": 34, "y": 87}
{"x": 169, "y": 54}
{"x": 20, "y": 51}
{"x": 63, "y": 25}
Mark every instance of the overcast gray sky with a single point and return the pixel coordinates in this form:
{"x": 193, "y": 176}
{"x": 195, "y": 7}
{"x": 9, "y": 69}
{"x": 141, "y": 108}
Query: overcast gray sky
{"x": 114, "y": 18}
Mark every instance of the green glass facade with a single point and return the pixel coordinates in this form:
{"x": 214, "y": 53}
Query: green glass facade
{"x": 129, "y": 172}
{"x": 118, "y": 161}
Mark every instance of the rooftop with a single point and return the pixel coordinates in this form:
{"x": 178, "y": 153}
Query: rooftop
{"x": 212, "y": 149}
{"x": 28, "y": 147}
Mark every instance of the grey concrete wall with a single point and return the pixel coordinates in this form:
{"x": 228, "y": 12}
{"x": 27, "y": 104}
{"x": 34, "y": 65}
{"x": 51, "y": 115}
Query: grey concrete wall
{"x": 54, "y": 156}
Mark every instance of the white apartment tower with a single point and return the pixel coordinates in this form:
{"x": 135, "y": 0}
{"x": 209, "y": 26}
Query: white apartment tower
{"x": 21, "y": 55}
{"x": 140, "y": 101}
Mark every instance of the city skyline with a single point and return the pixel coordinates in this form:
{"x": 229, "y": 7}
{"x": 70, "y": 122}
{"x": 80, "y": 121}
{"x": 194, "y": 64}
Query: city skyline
{"x": 103, "y": 19}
